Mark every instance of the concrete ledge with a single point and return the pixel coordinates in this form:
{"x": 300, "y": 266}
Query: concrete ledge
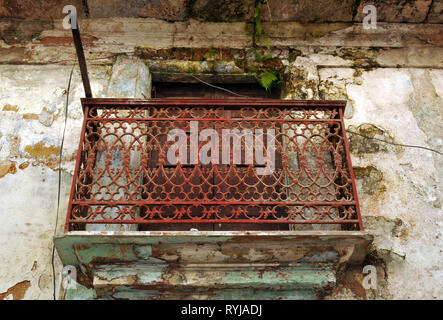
{"x": 174, "y": 263}
{"x": 207, "y": 277}
{"x": 79, "y": 247}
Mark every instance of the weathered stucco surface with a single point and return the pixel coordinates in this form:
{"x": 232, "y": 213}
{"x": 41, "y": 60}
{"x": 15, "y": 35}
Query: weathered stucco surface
{"x": 392, "y": 78}
{"x": 399, "y": 187}
{"x": 30, "y": 147}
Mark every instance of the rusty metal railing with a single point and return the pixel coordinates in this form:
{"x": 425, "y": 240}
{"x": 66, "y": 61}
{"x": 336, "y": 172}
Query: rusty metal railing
{"x": 290, "y": 163}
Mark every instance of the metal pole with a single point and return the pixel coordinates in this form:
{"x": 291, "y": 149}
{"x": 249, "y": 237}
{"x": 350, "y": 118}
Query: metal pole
{"x": 81, "y": 61}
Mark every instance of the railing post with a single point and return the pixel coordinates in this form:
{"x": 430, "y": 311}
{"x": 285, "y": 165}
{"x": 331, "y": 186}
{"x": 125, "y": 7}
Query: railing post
{"x": 81, "y": 59}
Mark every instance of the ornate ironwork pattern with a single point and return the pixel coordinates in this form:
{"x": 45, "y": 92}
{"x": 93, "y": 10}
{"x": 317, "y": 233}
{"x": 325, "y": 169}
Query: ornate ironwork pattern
{"x": 301, "y": 173}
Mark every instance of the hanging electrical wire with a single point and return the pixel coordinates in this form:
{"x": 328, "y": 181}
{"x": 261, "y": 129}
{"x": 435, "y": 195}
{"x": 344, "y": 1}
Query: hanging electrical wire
{"x": 60, "y": 179}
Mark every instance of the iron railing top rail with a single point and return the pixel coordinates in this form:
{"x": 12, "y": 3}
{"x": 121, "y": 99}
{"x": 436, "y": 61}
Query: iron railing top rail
{"x": 232, "y": 101}
{"x": 191, "y": 102}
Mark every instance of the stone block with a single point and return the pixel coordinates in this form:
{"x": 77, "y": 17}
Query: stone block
{"x": 306, "y": 11}
{"x": 435, "y": 14}
{"x": 223, "y": 10}
{"x": 398, "y": 11}
{"x": 14, "y": 31}
{"x": 171, "y": 10}
{"x": 38, "y": 10}
{"x": 115, "y": 8}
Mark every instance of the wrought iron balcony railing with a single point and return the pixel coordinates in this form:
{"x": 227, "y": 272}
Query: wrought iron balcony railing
{"x": 240, "y": 161}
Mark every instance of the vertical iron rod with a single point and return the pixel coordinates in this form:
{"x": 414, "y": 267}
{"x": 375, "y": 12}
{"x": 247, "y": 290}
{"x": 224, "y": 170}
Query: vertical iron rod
{"x": 82, "y": 61}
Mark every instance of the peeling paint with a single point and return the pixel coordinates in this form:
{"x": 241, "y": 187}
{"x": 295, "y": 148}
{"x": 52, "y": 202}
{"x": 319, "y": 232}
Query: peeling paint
{"x": 88, "y": 254}
{"x": 41, "y": 151}
{"x": 361, "y": 142}
{"x": 7, "y": 167}
{"x": 349, "y": 285}
{"x": 426, "y": 105}
{"x": 44, "y": 154}
{"x": 8, "y": 107}
{"x": 54, "y": 41}
{"x": 17, "y": 291}
{"x": 372, "y": 178}
{"x": 365, "y": 59}
{"x": 23, "y": 165}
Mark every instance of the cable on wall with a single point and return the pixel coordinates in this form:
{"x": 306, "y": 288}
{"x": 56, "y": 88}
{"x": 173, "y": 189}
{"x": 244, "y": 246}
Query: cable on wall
{"x": 351, "y": 132}
{"x": 395, "y": 144}
{"x": 60, "y": 180}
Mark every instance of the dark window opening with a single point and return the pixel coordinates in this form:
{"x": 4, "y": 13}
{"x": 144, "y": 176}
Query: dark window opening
{"x": 167, "y": 90}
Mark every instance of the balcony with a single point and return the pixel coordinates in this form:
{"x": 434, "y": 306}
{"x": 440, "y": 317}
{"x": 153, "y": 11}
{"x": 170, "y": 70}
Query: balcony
{"x": 218, "y": 196}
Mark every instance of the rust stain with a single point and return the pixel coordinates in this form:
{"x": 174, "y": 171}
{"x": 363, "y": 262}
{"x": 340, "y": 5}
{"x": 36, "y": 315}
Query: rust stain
{"x": 7, "y": 167}
{"x": 55, "y": 115}
{"x": 353, "y": 280}
{"x": 438, "y": 41}
{"x": 82, "y": 247}
{"x": 8, "y": 107}
{"x": 32, "y": 116}
{"x": 18, "y": 291}
{"x": 41, "y": 151}
{"x": 51, "y": 40}
{"x": 24, "y": 165}
{"x": 45, "y": 111}
{"x": 167, "y": 254}
{"x": 47, "y": 155}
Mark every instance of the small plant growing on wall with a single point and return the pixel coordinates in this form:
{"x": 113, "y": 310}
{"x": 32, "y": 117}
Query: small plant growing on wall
{"x": 267, "y": 78}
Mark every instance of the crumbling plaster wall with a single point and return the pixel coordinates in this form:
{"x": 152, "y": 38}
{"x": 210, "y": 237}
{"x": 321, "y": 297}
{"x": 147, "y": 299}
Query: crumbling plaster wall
{"x": 392, "y": 79}
{"x": 32, "y": 100}
{"x": 399, "y": 187}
